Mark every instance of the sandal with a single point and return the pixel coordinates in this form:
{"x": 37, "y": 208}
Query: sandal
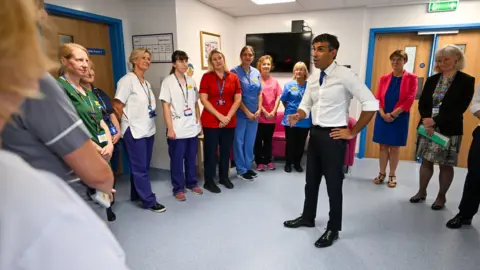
{"x": 392, "y": 181}
{"x": 379, "y": 179}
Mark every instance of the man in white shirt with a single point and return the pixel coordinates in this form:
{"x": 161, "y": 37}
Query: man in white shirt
{"x": 471, "y": 191}
{"x": 327, "y": 98}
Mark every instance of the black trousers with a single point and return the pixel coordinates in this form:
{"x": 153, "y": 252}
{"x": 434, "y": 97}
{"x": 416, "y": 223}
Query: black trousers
{"x": 325, "y": 157}
{"x": 263, "y": 144}
{"x": 295, "y": 145}
{"x": 471, "y": 190}
{"x": 213, "y": 138}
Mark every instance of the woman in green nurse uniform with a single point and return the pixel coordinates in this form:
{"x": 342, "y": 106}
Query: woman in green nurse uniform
{"x": 74, "y": 61}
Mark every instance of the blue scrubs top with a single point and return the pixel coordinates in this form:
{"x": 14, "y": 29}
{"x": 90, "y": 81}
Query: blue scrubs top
{"x": 292, "y": 95}
{"x": 251, "y": 88}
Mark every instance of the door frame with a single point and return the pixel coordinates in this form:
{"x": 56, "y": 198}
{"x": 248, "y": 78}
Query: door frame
{"x": 389, "y": 30}
{"x": 115, "y": 29}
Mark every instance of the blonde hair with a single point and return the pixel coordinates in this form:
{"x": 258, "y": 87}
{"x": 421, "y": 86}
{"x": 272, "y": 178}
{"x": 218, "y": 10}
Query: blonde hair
{"x": 450, "y": 50}
{"x": 136, "y": 53}
{"x": 210, "y": 60}
{"x": 66, "y": 52}
{"x": 300, "y": 65}
{"x": 23, "y": 59}
{"x": 263, "y": 59}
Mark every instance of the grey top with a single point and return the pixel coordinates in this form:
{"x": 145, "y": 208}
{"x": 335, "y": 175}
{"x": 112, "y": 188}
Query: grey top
{"x": 46, "y": 130}
{"x": 45, "y": 225}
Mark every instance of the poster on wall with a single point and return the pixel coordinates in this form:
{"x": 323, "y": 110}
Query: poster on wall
{"x": 159, "y": 45}
{"x": 208, "y": 42}
{"x": 411, "y": 52}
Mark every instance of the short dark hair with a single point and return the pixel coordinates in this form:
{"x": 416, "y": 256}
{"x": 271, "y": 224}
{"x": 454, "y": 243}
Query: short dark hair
{"x": 332, "y": 41}
{"x": 178, "y": 55}
{"x": 399, "y": 53}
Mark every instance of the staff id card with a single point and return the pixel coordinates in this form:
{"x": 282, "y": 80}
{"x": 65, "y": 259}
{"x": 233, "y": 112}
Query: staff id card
{"x": 187, "y": 112}
{"x": 102, "y": 138}
{"x": 435, "y": 111}
{"x": 221, "y": 102}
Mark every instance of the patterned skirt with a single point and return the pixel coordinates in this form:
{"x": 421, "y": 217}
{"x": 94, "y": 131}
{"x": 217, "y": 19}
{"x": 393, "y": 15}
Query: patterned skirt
{"x": 433, "y": 152}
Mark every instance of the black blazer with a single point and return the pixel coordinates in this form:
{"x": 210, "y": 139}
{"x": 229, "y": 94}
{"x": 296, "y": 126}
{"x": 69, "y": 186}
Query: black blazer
{"x": 456, "y": 101}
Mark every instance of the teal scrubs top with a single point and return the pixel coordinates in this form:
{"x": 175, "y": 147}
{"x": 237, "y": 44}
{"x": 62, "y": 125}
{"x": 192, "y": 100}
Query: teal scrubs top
{"x": 251, "y": 88}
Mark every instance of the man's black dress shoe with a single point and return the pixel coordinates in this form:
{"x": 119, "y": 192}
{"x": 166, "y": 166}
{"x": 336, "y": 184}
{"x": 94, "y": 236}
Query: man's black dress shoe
{"x": 288, "y": 168}
{"x": 458, "y": 221}
{"x": 298, "y": 168}
{"x": 327, "y": 239}
{"x": 299, "y": 222}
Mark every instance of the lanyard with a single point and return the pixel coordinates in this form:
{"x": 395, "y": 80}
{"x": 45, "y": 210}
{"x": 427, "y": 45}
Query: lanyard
{"x": 92, "y": 108}
{"x": 147, "y": 92}
{"x": 223, "y": 84}
{"x": 185, "y": 96}
{"x": 103, "y": 105}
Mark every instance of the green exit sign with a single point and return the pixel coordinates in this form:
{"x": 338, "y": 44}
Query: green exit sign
{"x": 441, "y": 6}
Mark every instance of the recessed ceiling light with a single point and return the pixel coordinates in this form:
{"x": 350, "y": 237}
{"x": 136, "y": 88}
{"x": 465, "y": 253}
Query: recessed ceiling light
{"x": 268, "y": 2}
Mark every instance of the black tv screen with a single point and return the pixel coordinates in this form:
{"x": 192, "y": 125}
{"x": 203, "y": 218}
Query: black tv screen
{"x": 286, "y": 49}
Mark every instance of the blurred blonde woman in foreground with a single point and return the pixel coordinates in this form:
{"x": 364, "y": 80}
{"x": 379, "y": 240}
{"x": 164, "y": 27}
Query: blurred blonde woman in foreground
{"x": 44, "y": 223}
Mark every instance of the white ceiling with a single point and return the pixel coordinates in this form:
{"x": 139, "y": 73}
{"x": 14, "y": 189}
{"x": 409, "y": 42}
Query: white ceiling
{"x": 238, "y": 8}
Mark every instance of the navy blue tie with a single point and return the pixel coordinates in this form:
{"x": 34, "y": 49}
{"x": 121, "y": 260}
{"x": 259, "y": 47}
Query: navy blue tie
{"x": 322, "y": 75}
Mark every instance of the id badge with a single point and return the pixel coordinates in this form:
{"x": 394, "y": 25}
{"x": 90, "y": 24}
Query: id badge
{"x": 435, "y": 111}
{"x": 187, "y": 112}
{"x": 221, "y": 102}
{"x": 102, "y": 138}
{"x": 113, "y": 130}
{"x": 152, "y": 114}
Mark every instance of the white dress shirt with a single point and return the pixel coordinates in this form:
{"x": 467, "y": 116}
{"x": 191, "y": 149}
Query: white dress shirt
{"x": 135, "y": 96}
{"x": 329, "y": 102}
{"x": 475, "y": 107}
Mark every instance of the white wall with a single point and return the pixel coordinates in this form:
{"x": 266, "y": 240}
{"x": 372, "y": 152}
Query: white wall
{"x": 111, "y": 8}
{"x": 193, "y": 17}
{"x": 154, "y": 17}
{"x": 346, "y": 24}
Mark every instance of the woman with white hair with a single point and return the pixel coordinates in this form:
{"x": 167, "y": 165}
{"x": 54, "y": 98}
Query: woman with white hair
{"x": 445, "y": 97}
{"x": 135, "y": 105}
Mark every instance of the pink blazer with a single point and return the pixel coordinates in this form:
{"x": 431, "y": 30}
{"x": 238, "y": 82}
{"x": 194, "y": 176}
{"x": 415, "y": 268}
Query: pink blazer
{"x": 408, "y": 90}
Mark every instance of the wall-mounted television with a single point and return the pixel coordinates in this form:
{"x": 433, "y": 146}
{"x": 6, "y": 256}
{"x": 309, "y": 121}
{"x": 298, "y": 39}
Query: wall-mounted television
{"x": 286, "y": 49}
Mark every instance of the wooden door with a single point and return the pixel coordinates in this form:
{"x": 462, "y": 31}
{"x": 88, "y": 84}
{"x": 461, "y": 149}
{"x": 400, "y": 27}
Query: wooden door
{"x": 90, "y": 35}
{"x": 471, "y": 40}
{"x": 385, "y": 44}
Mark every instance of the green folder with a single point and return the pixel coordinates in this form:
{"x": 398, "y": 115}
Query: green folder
{"x": 436, "y": 137}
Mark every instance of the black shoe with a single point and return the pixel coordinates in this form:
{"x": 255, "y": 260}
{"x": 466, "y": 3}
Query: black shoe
{"x": 416, "y": 199}
{"x": 110, "y": 215}
{"x": 246, "y": 176}
{"x": 158, "y": 208}
{"x": 298, "y": 168}
{"x": 252, "y": 173}
{"x": 227, "y": 183}
{"x": 288, "y": 168}
{"x": 327, "y": 239}
{"x": 212, "y": 187}
{"x": 437, "y": 207}
{"x": 299, "y": 222}
{"x": 458, "y": 221}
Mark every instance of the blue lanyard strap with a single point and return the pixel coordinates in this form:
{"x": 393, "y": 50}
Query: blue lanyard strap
{"x": 92, "y": 108}
{"x": 103, "y": 105}
{"x": 147, "y": 92}
{"x": 223, "y": 84}
{"x": 185, "y": 96}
